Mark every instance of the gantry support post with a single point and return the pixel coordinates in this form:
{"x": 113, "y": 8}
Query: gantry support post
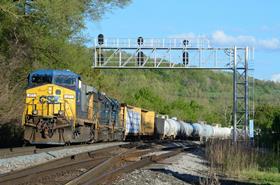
{"x": 234, "y": 108}
{"x": 246, "y": 97}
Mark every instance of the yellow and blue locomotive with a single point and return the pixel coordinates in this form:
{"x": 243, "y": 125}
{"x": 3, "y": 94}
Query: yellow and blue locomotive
{"x": 60, "y": 109}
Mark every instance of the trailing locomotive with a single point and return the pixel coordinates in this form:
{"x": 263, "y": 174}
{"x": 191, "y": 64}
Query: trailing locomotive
{"x": 60, "y": 109}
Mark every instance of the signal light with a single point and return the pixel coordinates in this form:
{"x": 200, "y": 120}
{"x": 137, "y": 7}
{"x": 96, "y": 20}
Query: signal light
{"x": 100, "y": 39}
{"x": 185, "y": 58}
{"x": 140, "y": 58}
{"x": 185, "y": 42}
{"x": 140, "y": 41}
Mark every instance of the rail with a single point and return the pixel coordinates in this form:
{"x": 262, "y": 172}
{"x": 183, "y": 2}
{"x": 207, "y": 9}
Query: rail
{"x": 102, "y": 165}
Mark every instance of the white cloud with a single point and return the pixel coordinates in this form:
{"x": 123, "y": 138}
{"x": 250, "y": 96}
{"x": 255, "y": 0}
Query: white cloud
{"x": 220, "y": 38}
{"x": 273, "y": 43}
{"x": 276, "y": 77}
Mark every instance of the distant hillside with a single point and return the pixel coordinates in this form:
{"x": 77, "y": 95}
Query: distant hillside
{"x": 187, "y": 94}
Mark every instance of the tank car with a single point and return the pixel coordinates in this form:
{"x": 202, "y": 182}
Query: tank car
{"x": 197, "y": 130}
{"x": 186, "y": 130}
{"x": 207, "y": 131}
{"x": 166, "y": 127}
{"x": 221, "y": 132}
{"x": 202, "y": 131}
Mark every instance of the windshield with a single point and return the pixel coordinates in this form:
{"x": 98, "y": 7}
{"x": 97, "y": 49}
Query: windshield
{"x": 37, "y": 79}
{"x": 65, "y": 80}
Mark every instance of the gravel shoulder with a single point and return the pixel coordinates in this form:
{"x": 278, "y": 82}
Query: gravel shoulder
{"x": 183, "y": 169}
{"x": 187, "y": 168}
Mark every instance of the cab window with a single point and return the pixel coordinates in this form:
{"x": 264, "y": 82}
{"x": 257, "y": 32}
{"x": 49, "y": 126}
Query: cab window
{"x": 65, "y": 80}
{"x": 37, "y": 79}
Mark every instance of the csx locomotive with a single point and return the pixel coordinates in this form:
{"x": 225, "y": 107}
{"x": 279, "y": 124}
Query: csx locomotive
{"x": 60, "y": 109}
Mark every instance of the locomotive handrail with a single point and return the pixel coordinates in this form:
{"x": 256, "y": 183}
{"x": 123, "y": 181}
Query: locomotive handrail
{"x": 74, "y": 119}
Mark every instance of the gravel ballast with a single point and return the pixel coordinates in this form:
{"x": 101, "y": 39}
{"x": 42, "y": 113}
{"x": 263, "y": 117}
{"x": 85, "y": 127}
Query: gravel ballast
{"x": 183, "y": 169}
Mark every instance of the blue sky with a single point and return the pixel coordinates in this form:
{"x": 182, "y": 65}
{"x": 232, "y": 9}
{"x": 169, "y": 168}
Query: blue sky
{"x": 228, "y": 23}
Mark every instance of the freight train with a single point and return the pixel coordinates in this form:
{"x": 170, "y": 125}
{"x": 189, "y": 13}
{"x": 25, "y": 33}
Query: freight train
{"x": 60, "y": 109}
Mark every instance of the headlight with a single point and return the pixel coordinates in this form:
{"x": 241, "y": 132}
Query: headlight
{"x": 69, "y": 96}
{"x": 34, "y": 112}
{"x": 60, "y": 112}
{"x": 50, "y": 90}
{"x": 31, "y": 95}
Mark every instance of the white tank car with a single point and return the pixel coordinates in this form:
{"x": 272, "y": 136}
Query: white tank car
{"x": 174, "y": 127}
{"x": 222, "y": 132}
{"x": 186, "y": 130}
{"x": 207, "y": 131}
{"x": 197, "y": 130}
{"x": 202, "y": 130}
{"x": 167, "y": 128}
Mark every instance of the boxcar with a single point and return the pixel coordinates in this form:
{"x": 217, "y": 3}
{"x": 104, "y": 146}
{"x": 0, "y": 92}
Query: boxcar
{"x": 130, "y": 117}
{"x": 147, "y": 123}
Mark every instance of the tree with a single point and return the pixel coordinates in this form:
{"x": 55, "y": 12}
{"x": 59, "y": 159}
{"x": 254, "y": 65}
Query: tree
{"x": 43, "y": 34}
{"x": 264, "y": 116}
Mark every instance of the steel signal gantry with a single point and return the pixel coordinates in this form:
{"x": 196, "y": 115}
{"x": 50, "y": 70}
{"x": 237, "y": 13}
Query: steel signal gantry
{"x": 185, "y": 54}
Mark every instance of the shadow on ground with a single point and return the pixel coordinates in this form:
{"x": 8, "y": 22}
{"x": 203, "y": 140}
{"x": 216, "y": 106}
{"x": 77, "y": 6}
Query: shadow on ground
{"x": 11, "y": 135}
{"x": 198, "y": 180}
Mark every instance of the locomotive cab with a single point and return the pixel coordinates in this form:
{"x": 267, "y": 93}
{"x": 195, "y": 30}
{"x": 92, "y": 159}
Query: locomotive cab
{"x": 60, "y": 109}
{"x": 50, "y": 106}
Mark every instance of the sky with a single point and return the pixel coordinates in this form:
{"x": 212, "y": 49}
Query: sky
{"x": 253, "y": 23}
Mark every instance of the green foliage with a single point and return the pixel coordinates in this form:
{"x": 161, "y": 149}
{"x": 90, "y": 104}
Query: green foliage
{"x": 268, "y": 117}
{"x": 43, "y": 34}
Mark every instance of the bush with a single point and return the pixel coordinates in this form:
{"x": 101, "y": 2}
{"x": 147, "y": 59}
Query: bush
{"x": 11, "y": 135}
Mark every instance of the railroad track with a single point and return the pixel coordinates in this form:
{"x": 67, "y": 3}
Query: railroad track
{"x": 27, "y": 150}
{"x": 12, "y": 152}
{"x": 100, "y": 166}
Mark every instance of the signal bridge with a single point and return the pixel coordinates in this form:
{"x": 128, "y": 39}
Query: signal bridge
{"x": 140, "y": 53}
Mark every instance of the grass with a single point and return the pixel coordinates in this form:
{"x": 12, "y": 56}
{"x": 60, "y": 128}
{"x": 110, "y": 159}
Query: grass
{"x": 263, "y": 177}
{"x": 241, "y": 160}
